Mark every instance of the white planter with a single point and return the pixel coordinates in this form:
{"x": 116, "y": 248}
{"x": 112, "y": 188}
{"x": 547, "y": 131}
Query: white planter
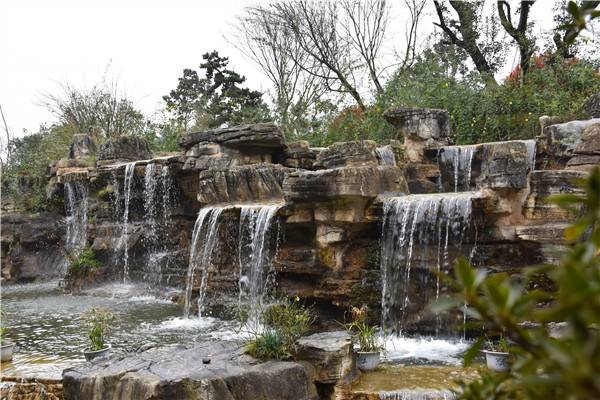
{"x": 367, "y": 360}
{"x": 497, "y": 360}
{"x": 6, "y": 351}
{"x": 90, "y": 355}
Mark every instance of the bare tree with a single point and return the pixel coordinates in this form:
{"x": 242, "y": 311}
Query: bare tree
{"x": 271, "y": 45}
{"x": 525, "y": 43}
{"x": 415, "y": 10}
{"x": 101, "y": 110}
{"x": 365, "y": 23}
{"x": 5, "y": 142}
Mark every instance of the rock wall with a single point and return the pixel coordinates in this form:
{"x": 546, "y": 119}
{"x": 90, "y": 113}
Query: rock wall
{"x": 328, "y": 247}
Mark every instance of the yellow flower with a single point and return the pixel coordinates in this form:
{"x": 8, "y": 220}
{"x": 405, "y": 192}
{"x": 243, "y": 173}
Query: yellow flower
{"x": 297, "y": 298}
{"x": 526, "y": 119}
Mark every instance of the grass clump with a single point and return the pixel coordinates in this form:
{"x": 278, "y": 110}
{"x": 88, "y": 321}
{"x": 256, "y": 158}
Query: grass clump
{"x": 100, "y": 323}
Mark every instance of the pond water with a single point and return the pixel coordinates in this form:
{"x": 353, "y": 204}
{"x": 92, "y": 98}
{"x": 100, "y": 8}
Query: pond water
{"x": 49, "y": 329}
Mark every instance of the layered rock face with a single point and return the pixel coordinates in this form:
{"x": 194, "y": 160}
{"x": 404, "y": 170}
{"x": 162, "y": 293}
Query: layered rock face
{"x": 328, "y": 211}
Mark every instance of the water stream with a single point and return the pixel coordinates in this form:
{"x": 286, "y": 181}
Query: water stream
{"x": 256, "y": 232}
{"x": 123, "y": 244}
{"x": 386, "y": 155}
{"x": 421, "y": 236}
{"x": 204, "y": 238}
{"x": 77, "y": 216}
{"x": 461, "y": 158}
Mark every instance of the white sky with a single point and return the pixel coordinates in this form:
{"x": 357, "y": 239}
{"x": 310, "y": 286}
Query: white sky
{"x": 146, "y": 43}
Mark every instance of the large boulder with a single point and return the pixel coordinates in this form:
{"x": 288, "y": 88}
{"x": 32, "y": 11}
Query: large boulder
{"x": 348, "y": 154}
{"x": 83, "y": 146}
{"x": 300, "y": 155}
{"x": 246, "y": 183}
{"x": 123, "y": 149}
{"x": 564, "y": 139}
{"x": 175, "y": 373}
{"x": 504, "y": 165}
{"x": 254, "y": 135}
{"x": 367, "y": 182}
{"x": 592, "y": 106}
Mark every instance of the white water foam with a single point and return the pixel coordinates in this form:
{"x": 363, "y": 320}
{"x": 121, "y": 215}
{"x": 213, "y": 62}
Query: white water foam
{"x": 399, "y": 348}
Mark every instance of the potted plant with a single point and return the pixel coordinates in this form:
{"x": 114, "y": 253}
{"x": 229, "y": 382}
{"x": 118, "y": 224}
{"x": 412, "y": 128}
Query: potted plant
{"x": 99, "y": 322}
{"x": 368, "y": 355}
{"x": 6, "y": 347}
{"x": 497, "y": 355}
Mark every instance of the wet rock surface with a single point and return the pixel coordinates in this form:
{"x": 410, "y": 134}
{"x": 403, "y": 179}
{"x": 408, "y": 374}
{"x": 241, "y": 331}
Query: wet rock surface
{"x": 178, "y": 374}
{"x": 124, "y": 148}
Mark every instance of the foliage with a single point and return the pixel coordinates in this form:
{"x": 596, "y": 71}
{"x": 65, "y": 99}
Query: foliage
{"x": 545, "y": 366}
{"x": 502, "y": 112}
{"x": 365, "y": 334}
{"x": 100, "y": 111}
{"x": 215, "y": 100}
{"x": 86, "y": 262}
{"x": 99, "y": 322}
{"x": 24, "y": 174}
{"x": 284, "y": 324}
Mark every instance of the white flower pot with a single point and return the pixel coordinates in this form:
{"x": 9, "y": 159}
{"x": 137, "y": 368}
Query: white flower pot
{"x": 91, "y": 354}
{"x": 6, "y": 351}
{"x": 497, "y": 360}
{"x": 367, "y": 360}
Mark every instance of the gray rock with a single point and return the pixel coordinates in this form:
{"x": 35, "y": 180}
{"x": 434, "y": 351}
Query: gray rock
{"x": 368, "y": 181}
{"x": 590, "y": 141}
{"x": 348, "y": 154}
{"x": 125, "y": 148}
{"x": 255, "y": 135}
{"x": 331, "y": 353}
{"x": 564, "y": 139}
{"x": 180, "y": 374}
{"x": 504, "y": 165}
{"x": 592, "y": 106}
{"x": 422, "y": 123}
{"x": 82, "y": 146}
{"x": 245, "y": 183}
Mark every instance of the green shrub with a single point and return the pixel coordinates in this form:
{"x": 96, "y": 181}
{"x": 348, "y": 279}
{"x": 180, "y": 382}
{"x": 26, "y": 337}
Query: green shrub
{"x": 284, "y": 324}
{"x": 85, "y": 263}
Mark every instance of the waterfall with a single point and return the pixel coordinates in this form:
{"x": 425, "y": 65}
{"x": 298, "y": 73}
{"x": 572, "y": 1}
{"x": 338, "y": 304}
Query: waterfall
{"x": 206, "y": 227}
{"x": 418, "y": 233}
{"x": 255, "y": 235}
{"x": 77, "y": 216}
{"x": 386, "y": 155}
{"x": 462, "y": 159}
{"x": 124, "y": 239}
{"x": 167, "y": 186}
{"x": 152, "y": 269}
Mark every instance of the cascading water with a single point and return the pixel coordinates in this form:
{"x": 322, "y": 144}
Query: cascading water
{"x": 206, "y": 227}
{"x": 386, "y": 155}
{"x": 256, "y": 231}
{"x": 462, "y": 160}
{"x": 152, "y": 269}
{"x": 418, "y": 233}
{"x": 415, "y": 394}
{"x": 123, "y": 240}
{"x": 531, "y": 152}
{"x": 77, "y": 216}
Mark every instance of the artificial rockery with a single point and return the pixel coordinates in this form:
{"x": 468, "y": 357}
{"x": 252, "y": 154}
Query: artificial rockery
{"x": 239, "y": 216}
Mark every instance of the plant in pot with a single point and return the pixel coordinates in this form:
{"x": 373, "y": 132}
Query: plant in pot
{"x": 368, "y": 355}
{"x": 99, "y": 323}
{"x": 497, "y": 357}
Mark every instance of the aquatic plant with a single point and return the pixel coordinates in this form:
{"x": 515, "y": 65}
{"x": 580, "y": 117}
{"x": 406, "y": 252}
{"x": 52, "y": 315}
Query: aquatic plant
{"x": 100, "y": 323}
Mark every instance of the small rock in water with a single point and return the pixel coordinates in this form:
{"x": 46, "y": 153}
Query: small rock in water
{"x": 205, "y": 360}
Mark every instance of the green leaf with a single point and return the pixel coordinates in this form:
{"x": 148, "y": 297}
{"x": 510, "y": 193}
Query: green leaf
{"x": 473, "y": 351}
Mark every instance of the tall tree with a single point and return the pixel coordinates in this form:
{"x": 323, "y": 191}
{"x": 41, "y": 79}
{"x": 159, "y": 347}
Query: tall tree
{"x": 215, "y": 100}
{"x": 525, "y": 43}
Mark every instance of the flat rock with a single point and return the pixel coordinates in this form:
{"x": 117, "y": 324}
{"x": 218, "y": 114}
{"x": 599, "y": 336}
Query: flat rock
{"x": 127, "y": 148}
{"x": 175, "y": 373}
{"x": 563, "y": 139}
{"x": 348, "y": 154}
{"x": 421, "y": 123}
{"x": 504, "y": 165}
{"x": 254, "y": 135}
{"x": 590, "y": 141}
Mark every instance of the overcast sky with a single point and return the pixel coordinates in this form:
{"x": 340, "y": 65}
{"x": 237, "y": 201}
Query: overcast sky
{"x": 144, "y": 43}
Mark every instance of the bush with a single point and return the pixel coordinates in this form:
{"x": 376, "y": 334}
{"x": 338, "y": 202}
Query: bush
{"x": 85, "y": 263}
{"x": 545, "y": 367}
{"x": 284, "y": 324}
{"x": 99, "y": 322}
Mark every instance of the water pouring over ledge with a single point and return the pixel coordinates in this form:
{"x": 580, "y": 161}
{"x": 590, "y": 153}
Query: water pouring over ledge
{"x": 77, "y": 216}
{"x": 421, "y": 236}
